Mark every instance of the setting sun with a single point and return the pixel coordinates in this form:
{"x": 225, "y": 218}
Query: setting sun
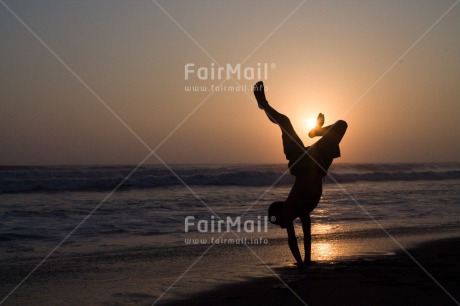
{"x": 311, "y": 122}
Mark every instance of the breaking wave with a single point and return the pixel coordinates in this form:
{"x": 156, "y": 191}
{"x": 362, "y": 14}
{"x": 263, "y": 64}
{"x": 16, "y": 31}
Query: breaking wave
{"x": 88, "y": 178}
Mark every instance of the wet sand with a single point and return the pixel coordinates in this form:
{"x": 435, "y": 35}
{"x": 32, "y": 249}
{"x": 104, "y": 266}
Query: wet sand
{"x": 385, "y": 280}
{"x": 232, "y": 275}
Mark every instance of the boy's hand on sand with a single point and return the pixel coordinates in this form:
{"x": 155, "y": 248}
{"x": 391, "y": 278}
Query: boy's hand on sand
{"x": 300, "y": 264}
{"x": 259, "y": 93}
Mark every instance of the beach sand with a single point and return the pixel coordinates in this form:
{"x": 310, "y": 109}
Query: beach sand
{"x": 382, "y": 280}
{"x": 231, "y": 275}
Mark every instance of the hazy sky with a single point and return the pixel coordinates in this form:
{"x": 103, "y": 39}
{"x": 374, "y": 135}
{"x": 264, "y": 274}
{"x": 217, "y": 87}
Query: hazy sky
{"x": 335, "y": 57}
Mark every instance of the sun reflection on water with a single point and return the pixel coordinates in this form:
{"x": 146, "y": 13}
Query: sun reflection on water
{"x": 328, "y": 244}
{"x": 322, "y": 229}
{"x": 324, "y": 251}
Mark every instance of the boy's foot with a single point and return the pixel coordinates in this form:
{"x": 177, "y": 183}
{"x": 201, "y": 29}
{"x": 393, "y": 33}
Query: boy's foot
{"x": 317, "y": 130}
{"x": 259, "y": 93}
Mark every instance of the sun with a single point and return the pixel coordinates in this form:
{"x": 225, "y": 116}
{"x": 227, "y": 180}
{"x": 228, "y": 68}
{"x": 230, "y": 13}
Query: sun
{"x": 311, "y": 123}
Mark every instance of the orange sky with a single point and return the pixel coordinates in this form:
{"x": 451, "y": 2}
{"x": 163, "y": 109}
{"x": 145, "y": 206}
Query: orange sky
{"x": 335, "y": 57}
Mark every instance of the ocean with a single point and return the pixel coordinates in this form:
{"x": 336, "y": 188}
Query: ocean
{"x": 72, "y": 237}
{"x": 40, "y": 206}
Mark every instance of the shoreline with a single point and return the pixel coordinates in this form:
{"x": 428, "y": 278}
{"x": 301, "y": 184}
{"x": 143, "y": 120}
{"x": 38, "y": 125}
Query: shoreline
{"x": 232, "y": 275}
{"x": 379, "y": 280}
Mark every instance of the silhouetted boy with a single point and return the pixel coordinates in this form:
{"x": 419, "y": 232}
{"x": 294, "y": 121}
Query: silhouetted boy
{"x": 309, "y": 165}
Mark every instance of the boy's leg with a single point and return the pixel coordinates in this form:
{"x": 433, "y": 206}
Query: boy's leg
{"x": 293, "y": 146}
{"x": 327, "y": 148}
{"x": 272, "y": 114}
{"x": 333, "y": 132}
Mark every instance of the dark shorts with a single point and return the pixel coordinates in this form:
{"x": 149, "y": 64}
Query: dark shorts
{"x": 316, "y": 158}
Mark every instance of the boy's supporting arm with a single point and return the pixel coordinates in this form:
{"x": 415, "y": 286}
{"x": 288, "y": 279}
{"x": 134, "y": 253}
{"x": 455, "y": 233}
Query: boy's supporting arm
{"x": 306, "y": 227}
{"x": 292, "y": 240}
